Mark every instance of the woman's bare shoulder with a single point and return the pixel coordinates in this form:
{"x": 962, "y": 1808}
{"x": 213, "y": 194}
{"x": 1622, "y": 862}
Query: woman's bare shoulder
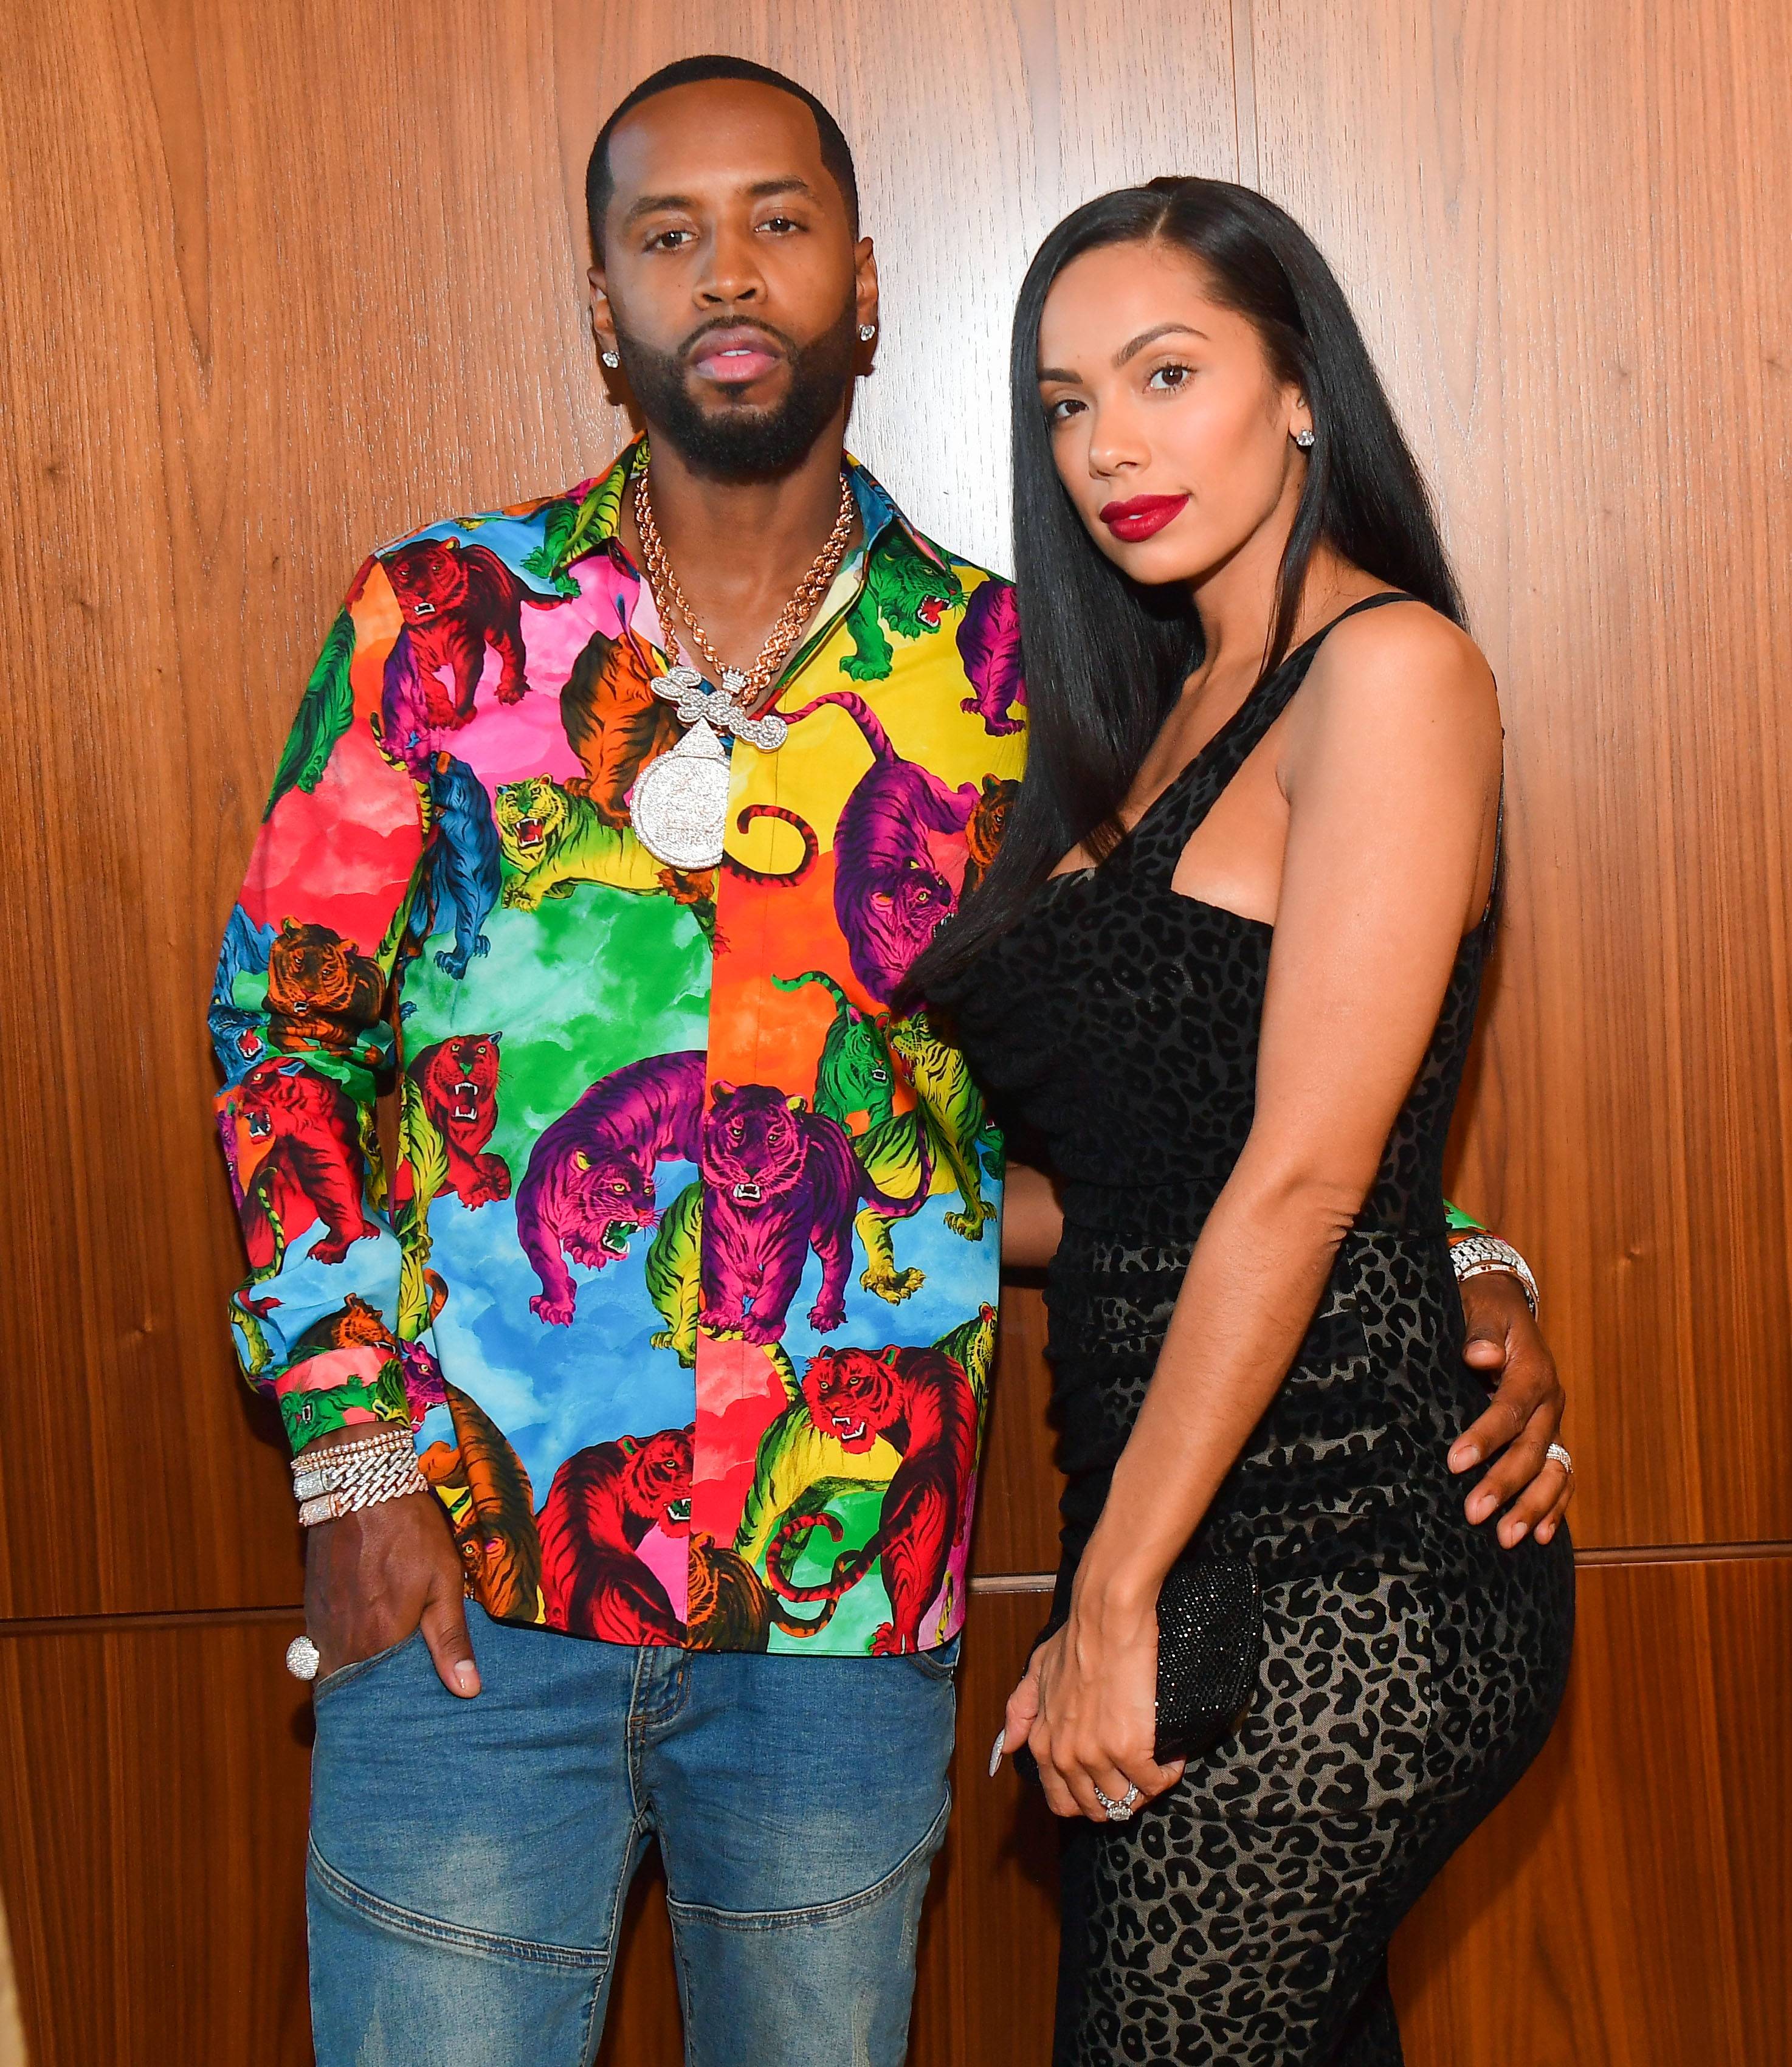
{"x": 1404, "y": 671}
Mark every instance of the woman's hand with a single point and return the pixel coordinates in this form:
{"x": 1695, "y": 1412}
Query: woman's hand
{"x": 1087, "y": 1709}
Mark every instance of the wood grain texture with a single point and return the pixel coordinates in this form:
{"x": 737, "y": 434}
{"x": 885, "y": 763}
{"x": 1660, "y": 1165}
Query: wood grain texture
{"x": 1016, "y": 1528}
{"x": 1565, "y": 243}
{"x": 1631, "y": 1903}
{"x": 152, "y": 1805}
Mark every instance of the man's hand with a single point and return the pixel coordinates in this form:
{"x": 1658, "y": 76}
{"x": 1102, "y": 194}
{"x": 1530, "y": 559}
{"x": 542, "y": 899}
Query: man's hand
{"x": 1522, "y": 1419}
{"x": 371, "y": 1578}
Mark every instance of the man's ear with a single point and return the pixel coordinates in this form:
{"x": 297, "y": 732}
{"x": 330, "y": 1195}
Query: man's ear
{"x": 865, "y": 282}
{"x": 603, "y": 322}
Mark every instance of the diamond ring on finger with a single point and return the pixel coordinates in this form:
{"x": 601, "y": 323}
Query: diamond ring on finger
{"x": 1119, "y": 1811}
{"x": 1557, "y": 1455}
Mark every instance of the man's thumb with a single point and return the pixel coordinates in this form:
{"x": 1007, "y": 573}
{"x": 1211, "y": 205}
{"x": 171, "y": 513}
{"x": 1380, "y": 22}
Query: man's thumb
{"x": 445, "y": 1630}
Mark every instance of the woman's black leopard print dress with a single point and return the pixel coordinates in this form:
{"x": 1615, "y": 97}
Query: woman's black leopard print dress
{"x": 1413, "y": 1668}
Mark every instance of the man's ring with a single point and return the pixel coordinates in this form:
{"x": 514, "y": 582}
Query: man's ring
{"x": 1560, "y": 1456}
{"x": 301, "y": 1658}
{"x": 1119, "y": 1811}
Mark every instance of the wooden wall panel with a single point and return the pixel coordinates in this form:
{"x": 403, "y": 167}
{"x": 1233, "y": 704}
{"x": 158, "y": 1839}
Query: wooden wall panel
{"x": 153, "y": 1800}
{"x": 1568, "y": 252}
{"x": 1630, "y": 1904}
{"x": 280, "y": 283}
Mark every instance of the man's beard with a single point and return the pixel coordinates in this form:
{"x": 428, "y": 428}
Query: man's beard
{"x": 739, "y": 444}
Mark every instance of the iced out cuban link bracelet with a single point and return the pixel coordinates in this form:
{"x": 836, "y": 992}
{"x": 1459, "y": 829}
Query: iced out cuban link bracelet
{"x": 349, "y": 1476}
{"x": 678, "y": 806}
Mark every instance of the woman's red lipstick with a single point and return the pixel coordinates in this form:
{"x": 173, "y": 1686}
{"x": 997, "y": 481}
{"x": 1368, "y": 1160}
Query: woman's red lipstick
{"x": 1143, "y": 516}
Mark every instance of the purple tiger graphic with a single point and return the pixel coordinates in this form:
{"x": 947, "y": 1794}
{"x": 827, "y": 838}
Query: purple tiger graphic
{"x": 590, "y": 1183}
{"x": 989, "y": 645}
{"x": 889, "y": 896}
{"x": 782, "y": 1180}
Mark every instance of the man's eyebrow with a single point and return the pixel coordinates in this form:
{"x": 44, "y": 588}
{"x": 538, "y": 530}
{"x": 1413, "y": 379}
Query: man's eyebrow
{"x": 651, "y": 204}
{"x": 1145, "y": 337}
{"x": 786, "y": 183}
{"x": 764, "y": 190}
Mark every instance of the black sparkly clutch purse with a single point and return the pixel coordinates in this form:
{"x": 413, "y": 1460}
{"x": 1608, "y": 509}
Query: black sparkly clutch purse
{"x": 1210, "y": 1651}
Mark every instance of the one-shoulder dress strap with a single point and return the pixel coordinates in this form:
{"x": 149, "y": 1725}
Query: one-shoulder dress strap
{"x": 1167, "y": 827}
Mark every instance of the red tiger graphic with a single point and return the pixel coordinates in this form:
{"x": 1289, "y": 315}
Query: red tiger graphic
{"x": 310, "y": 1168}
{"x": 921, "y": 1402}
{"x": 456, "y": 600}
{"x": 457, "y": 1080}
{"x": 602, "y": 1501}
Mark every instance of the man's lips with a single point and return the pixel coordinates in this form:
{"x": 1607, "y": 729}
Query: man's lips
{"x": 1143, "y": 516}
{"x": 735, "y": 356}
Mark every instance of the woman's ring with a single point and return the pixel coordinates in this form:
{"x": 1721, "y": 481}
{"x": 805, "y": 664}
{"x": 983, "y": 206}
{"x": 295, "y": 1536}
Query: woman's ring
{"x": 1119, "y": 1811}
{"x": 301, "y": 1658}
{"x": 1558, "y": 1455}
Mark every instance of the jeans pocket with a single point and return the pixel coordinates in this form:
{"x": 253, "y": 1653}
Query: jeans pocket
{"x": 359, "y": 1668}
{"x": 940, "y": 1663}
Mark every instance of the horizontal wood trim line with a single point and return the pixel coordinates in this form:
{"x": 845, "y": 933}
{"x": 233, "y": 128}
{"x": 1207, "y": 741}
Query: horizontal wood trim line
{"x": 129, "y": 1624}
{"x": 1680, "y": 1553}
{"x": 989, "y": 1582}
{"x": 1637, "y": 1554}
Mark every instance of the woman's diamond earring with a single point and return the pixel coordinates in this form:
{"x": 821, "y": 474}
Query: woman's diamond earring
{"x": 1304, "y": 439}
{"x": 611, "y": 360}
{"x": 866, "y": 332}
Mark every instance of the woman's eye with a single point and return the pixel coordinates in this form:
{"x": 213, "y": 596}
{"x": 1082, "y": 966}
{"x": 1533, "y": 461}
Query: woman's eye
{"x": 1061, "y": 411}
{"x": 1167, "y": 380}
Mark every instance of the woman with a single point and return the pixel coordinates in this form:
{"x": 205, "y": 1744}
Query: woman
{"x": 1225, "y": 971}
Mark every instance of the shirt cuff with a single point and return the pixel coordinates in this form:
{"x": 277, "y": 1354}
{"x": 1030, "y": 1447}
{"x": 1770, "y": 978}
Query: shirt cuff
{"x": 341, "y": 1389}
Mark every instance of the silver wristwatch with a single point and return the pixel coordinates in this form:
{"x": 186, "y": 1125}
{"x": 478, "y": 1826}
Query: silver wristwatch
{"x": 1475, "y": 1255}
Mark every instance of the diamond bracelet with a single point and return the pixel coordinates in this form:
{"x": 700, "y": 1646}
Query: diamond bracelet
{"x": 1476, "y": 1255}
{"x": 351, "y": 1475}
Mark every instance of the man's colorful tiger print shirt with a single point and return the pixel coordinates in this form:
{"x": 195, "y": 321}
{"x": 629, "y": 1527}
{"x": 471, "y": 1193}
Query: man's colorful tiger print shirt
{"x": 686, "y": 1275}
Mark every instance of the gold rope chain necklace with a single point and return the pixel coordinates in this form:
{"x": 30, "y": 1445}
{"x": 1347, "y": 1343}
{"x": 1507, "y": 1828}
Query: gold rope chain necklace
{"x": 731, "y": 706}
{"x": 678, "y": 805}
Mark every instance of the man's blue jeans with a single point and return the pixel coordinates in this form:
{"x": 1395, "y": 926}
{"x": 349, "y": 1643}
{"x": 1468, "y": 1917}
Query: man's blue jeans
{"x": 470, "y": 1859}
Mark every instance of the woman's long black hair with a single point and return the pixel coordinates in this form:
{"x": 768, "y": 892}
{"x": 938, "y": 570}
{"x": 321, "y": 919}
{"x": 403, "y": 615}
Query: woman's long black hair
{"x": 1106, "y": 658}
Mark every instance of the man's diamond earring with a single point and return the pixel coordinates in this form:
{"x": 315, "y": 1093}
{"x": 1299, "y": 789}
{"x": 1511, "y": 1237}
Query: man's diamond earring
{"x": 1304, "y": 439}
{"x": 866, "y": 332}
{"x": 611, "y": 360}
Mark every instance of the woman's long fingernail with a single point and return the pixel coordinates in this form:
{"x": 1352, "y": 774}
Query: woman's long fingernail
{"x": 996, "y": 1750}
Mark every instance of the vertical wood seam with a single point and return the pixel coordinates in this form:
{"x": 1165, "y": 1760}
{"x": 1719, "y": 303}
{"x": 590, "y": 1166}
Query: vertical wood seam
{"x": 1244, "y": 94}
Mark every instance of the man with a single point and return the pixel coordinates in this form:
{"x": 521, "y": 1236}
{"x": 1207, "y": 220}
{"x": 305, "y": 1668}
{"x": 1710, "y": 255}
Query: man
{"x": 635, "y": 981}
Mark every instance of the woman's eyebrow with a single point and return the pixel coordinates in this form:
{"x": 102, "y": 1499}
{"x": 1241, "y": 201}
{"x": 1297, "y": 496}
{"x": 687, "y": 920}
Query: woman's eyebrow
{"x": 1145, "y": 337}
{"x": 1129, "y": 351}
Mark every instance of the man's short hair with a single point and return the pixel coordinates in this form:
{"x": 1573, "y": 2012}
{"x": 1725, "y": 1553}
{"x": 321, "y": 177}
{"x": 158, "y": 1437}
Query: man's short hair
{"x": 836, "y": 152}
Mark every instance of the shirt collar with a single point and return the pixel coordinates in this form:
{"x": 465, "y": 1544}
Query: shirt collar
{"x": 600, "y": 506}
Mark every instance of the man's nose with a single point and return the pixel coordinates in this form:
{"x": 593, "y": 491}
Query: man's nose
{"x": 732, "y": 276}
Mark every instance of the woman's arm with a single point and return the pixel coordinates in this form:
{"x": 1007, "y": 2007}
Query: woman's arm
{"x": 1032, "y": 1220}
{"x": 1391, "y": 770}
